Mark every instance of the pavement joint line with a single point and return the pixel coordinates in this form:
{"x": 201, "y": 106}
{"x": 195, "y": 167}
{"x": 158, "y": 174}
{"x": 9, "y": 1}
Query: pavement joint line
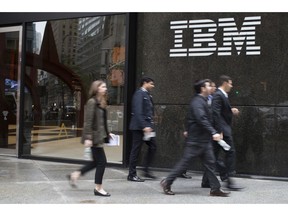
{"x": 54, "y": 186}
{"x": 37, "y": 165}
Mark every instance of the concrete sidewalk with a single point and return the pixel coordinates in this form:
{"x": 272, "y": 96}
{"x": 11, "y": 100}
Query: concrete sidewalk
{"x": 40, "y": 182}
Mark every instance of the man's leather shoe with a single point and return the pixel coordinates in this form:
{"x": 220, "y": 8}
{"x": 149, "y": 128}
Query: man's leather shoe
{"x": 149, "y": 175}
{"x": 231, "y": 185}
{"x": 219, "y": 192}
{"x": 134, "y": 178}
{"x": 166, "y": 187}
{"x": 205, "y": 185}
{"x": 234, "y": 187}
{"x": 184, "y": 175}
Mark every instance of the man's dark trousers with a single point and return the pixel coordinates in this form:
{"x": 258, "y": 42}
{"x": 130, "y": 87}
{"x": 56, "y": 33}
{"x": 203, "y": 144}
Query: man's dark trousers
{"x": 226, "y": 169}
{"x": 191, "y": 151}
{"x": 229, "y": 168}
{"x": 137, "y": 141}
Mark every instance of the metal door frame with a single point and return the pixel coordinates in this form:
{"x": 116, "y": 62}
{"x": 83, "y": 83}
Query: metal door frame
{"x": 6, "y": 30}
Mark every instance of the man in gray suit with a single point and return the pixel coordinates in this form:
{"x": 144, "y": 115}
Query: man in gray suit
{"x": 141, "y": 125}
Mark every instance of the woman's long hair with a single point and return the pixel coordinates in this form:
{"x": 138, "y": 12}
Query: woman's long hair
{"x": 93, "y": 92}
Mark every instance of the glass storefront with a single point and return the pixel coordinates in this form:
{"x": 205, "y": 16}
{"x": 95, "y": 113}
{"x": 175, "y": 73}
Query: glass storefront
{"x": 63, "y": 57}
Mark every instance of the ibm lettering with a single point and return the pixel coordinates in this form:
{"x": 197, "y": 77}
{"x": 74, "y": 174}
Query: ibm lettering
{"x": 204, "y": 44}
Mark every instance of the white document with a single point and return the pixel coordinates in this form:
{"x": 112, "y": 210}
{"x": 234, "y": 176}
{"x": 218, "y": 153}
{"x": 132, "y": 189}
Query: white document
{"x": 148, "y": 135}
{"x": 114, "y": 140}
{"x": 224, "y": 145}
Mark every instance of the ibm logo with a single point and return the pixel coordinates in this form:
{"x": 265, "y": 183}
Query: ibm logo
{"x": 204, "y": 44}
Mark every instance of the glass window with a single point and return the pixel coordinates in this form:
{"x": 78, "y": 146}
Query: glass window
{"x": 58, "y": 78}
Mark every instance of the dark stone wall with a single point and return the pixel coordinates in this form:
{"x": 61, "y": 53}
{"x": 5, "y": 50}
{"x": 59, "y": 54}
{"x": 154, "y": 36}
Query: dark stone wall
{"x": 260, "y": 88}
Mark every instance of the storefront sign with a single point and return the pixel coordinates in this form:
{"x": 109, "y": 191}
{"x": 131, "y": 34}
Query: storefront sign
{"x": 204, "y": 41}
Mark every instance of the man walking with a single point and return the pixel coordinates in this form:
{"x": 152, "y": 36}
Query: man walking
{"x": 142, "y": 127}
{"x": 222, "y": 118}
{"x": 198, "y": 141}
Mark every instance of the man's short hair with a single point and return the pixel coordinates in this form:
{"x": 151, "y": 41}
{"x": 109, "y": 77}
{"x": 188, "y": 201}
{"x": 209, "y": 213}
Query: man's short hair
{"x": 224, "y": 78}
{"x": 146, "y": 80}
{"x": 200, "y": 83}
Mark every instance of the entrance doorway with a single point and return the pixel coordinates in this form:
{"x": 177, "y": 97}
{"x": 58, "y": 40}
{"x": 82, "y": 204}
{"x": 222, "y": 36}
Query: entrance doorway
{"x": 10, "y": 49}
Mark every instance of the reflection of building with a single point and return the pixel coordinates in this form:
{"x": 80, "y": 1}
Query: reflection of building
{"x": 37, "y": 42}
{"x": 66, "y": 35}
{"x": 65, "y": 38}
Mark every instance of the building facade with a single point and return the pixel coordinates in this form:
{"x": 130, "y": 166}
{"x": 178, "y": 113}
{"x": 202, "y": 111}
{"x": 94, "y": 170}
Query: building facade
{"x": 48, "y": 61}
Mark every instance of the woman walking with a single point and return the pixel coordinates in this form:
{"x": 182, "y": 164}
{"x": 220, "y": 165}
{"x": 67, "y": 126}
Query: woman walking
{"x": 95, "y": 134}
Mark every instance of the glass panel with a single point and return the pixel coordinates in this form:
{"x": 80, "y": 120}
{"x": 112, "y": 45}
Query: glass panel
{"x": 63, "y": 58}
{"x": 9, "y": 49}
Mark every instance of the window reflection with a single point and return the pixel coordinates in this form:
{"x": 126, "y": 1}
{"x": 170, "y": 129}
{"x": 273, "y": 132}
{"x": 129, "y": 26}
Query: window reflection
{"x": 63, "y": 58}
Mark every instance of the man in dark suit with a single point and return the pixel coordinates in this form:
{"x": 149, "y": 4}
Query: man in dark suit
{"x": 198, "y": 141}
{"x": 142, "y": 127}
{"x": 222, "y": 118}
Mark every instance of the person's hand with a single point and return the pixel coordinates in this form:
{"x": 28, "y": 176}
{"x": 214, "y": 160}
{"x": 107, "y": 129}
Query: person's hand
{"x": 235, "y": 111}
{"x": 88, "y": 143}
{"x": 147, "y": 129}
{"x": 111, "y": 135}
{"x": 216, "y": 137}
{"x": 185, "y": 133}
